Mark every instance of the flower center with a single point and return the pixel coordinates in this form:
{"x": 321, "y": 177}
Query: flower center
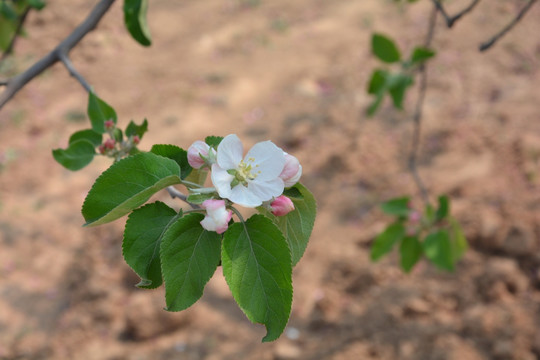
{"x": 244, "y": 172}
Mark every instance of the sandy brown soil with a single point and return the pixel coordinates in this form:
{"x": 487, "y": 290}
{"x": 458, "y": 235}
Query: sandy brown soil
{"x": 294, "y": 72}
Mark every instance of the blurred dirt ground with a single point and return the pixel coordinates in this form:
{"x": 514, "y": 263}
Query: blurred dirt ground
{"x": 294, "y": 72}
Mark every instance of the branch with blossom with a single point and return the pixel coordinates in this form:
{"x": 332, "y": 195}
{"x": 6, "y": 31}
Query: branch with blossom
{"x": 182, "y": 248}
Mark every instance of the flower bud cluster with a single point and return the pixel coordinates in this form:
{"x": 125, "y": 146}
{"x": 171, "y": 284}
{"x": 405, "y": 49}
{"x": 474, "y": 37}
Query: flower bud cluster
{"x": 117, "y": 149}
{"x": 256, "y": 179}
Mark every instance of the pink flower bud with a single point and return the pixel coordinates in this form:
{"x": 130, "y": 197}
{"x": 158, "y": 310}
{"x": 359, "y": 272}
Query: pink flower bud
{"x": 109, "y": 144}
{"x": 136, "y": 139}
{"x": 414, "y": 216}
{"x": 101, "y": 149}
{"x": 282, "y": 205}
{"x": 196, "y": 152}
{"x": 292, "y": 171}
{"x": 217, "y": 216}
{"x": 109, "y": 124}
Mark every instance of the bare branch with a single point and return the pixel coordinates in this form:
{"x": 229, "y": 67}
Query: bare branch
{"x": 73, "y": 72}
{"x": 417, "y": 117}
{"x": 18, "y": 82}
{"x": 16, "y": 34}
{"x": 486, "y": 45}
{"x": 177, "y": 194}
{"x": 3, "y": 82}
{"x": 451, "y": 20}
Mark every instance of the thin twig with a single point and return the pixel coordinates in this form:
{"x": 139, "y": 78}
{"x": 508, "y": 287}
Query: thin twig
{"x": 16, "y": 34}
{"x": 177, "y": 194}
{"x": 417, "y": 117}
{"x": 451, "y": 20}
{"x": 18, "y": 82}
{"x": 487, "y": 44}
{"x": 4, "y": 82}
{"x": 73, "y": 72}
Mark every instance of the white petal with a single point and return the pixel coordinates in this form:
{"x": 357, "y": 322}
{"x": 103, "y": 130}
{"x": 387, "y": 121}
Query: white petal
{"x": 222, "y": 181}
{"x": 209, "y": 224}
{"x": 241, "y": 195}
{"x": 266, "y": 190}
{"x": 229, "y": 152}
{"x": 267, "y": 158}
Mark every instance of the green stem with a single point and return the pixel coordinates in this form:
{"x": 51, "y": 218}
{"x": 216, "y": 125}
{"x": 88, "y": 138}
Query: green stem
{"x": 194, "y": 211}
{"x": 239, "y": 215}
{"x": 208, "y": 190}
{"x": 191, "y": 184}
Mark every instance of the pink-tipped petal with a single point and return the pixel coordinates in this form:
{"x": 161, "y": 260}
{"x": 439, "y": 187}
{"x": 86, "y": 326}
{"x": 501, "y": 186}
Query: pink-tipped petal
{"x": 195, "y": 151}
{"x": 292, "y": 171}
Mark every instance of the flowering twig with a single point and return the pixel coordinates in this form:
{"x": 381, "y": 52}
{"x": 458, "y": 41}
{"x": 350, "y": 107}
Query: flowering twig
{"x": 417, "y": 117}
{"x": 16, "y": 34}
{"x": 18, "y": 82}
{"x": 451, "y": 20}
{"x": 489, "y": 43}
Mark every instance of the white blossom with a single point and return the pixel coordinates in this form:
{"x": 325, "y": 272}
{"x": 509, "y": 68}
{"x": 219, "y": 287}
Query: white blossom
{"x": 250, "y": 180}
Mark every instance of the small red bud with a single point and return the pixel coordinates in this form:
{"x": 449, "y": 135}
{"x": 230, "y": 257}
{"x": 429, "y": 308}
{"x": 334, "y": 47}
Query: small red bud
{"x": 136, "y": 139}
{"x": 101, "y": 149}
{"x": 109, "y": 124}
{"x": 109, "y": 144}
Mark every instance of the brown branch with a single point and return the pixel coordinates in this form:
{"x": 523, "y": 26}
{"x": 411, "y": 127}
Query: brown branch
{"x": 487, "y": 44}
{"x": 60, "y": 52}
{"x": 16, "y": 34}
{"x": 417, "y": 117}
{"x": 177, "y": 194}
{"x": 451, "y": 20}
{"x": 73, "y": 72}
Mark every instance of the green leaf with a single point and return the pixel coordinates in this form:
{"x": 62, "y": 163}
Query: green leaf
{"x": 142, "y": 239}
{"x": 189, "y": 255}
{"x": 78, "y": 154}
{"x": 200, "y": 198}
{"x": 257, "y": 266}
{"x": 293, "y": 192}
{"x": 372, "y": 109}
{"x": 430, "y": 214}
{"x": 411, "y": 251}
{"x": 397, "y": 207}
{"x": 459, "y": 242}
{"x": 7, "y": 11}
{"x": 378, "y": 82}
{"x": 175, "y": 153}
{"x": 7, "y": 30}
{"x": 36, "y": 4}
{"x": 297, "y": 225}
{"x": 397, "y": 86}
{"x": 139, "y": 130}
{"x": 421, "y": 54}
{"x": 99, "y": 112}
{"x": 384, "y": 243}
{"x": 118, "y": 135}
{"x": 126, "y": 185}
{"x": 213, "y": 141}
{"x": 385, "y": 48}
{"x": 197, "y": 176}
{"x": 135, "y": 20}
{"x": 89, "y": 135}
{"x": 443, "y": 209}
{"x": 438, "y": 249}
